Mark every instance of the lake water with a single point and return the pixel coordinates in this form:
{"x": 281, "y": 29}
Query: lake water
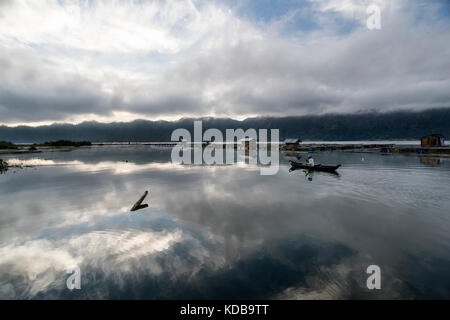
{"x": 223, "y": 231}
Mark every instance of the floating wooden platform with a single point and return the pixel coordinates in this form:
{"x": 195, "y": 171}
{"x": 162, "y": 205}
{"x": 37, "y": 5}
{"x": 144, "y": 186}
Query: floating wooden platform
{"x": 372, "y": 148}
{"x": 316, "y": 147}
{"x": 319, "y": 147}
{"x": 422, "y": 150}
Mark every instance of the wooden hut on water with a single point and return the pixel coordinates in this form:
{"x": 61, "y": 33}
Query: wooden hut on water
{"x": 291, "y": 144}
{"x": 432, "y": 140}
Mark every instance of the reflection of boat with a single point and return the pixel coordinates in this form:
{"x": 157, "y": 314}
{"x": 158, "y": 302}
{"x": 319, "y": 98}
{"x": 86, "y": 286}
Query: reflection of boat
{"x": 317, "y": 167}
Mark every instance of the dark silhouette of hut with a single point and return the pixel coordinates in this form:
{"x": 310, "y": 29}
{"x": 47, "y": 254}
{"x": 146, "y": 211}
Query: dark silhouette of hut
{"x": 432, "y": 140}
{"x": 292, "y": 144}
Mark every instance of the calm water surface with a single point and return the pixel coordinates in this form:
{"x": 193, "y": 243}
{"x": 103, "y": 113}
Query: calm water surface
{"x": 223, "y": 231}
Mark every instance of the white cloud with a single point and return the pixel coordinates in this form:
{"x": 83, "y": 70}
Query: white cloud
{"x": 104, "y": 26}
{"x": 42, "y": 264}
{"x": 350, "y": 7}
{"x": 121, "y": 60}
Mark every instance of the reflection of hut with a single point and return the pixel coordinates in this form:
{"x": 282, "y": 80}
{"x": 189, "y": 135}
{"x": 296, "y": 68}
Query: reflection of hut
{"x": 432, "y": 140}
{"x": 292, "y": 144}
{"x": 248, "y": 144}
{"x": 206, "y": 143}
{"x": 430, "y": 161}
{"x": 183, "y": 143}
{"x": 292, "y": 155}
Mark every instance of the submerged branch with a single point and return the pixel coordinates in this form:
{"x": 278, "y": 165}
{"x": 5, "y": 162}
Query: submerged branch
{"x": 138, "y": 205}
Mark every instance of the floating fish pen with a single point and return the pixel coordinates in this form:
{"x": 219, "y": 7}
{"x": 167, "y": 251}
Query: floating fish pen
{"x": 315, "y": 147}
{"x": 423, "y": 150}
{"x": 337, "y": 147}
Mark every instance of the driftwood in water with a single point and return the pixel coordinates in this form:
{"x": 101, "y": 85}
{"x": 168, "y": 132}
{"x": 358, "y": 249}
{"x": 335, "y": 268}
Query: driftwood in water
{"x": 138, "y": 205}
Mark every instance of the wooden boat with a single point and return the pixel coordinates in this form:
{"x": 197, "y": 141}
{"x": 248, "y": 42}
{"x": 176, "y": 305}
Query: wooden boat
{"x": 317, "y": 167}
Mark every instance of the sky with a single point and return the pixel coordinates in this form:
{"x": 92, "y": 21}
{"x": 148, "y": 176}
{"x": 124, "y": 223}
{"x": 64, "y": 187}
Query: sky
{"x": 121, "y": 60}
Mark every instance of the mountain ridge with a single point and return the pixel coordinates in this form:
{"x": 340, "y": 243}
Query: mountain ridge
{"x": 395, "y": 125}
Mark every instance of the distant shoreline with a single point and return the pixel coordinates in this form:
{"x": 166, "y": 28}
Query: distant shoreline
{"x": 405, "y": 147}
{"x": 395, "y": 141}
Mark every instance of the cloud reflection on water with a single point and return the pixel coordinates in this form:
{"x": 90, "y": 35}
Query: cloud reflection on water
{"x": 218, "y": 231}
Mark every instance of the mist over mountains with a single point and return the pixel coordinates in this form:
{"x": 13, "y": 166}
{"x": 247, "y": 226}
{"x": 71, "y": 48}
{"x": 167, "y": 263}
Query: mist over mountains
{"x": 396, "y": 125}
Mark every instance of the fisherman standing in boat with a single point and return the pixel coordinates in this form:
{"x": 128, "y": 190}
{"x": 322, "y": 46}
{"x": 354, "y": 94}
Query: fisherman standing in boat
{"x": 310, "y": 161}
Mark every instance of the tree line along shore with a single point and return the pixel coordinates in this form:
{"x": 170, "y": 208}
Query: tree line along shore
{"x": 59, "y": 143}
{"x": 7, "y": 147}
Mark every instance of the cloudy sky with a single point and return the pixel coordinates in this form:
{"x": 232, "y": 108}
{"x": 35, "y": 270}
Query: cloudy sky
{"x": 72, "y": 61}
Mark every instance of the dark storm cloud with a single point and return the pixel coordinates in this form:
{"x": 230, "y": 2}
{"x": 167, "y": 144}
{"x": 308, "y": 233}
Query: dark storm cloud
{"x": 24, "y": 107}
{"x": 381, "y": 70}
